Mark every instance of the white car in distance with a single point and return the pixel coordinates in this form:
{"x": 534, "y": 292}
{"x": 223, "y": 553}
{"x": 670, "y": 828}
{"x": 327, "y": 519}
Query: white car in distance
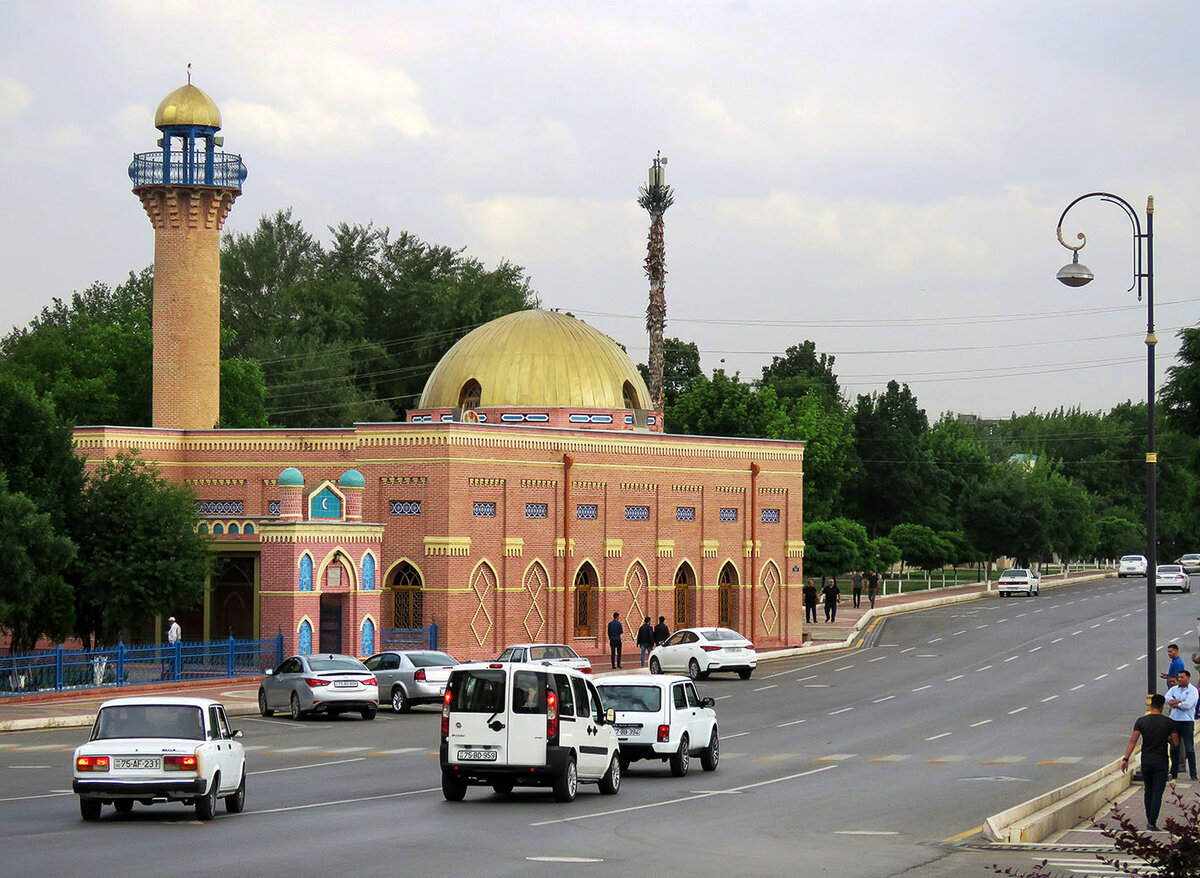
{"x": 1019, "y": 580}
{"x": 155, "y": 748}
{"x": 662, "y": 718}
{"x": 1132, "y": 565}
{"x": 1172, "y": 576}
{"x": 699, "y": 652}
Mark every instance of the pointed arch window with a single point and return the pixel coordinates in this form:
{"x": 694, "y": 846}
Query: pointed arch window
{"x": 630, "y": 396}
{"x": 470, "y": 395}
{"x": 684, "y": 580}
{"x": 408, "y": 599}
{"x": 585, "y": 601}
{"x": 726, "y": 608}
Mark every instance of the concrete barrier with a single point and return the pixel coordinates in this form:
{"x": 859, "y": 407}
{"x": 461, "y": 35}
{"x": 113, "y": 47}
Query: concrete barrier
{"x": 1060, "y": 809}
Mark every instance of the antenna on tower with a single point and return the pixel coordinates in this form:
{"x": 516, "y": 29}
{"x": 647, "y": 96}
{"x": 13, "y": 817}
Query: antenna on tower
{"x": 189, "y": 72}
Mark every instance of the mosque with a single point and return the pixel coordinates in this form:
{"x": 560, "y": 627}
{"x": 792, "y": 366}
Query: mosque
{"x": 530, "y": 495}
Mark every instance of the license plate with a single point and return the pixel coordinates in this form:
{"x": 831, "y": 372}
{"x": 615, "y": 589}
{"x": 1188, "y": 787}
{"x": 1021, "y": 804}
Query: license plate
{"x": 344, "y": 684}
{"x": 137, "y": 763}
{"x": 477, "y": 755}
{"x": 626, "y": 731}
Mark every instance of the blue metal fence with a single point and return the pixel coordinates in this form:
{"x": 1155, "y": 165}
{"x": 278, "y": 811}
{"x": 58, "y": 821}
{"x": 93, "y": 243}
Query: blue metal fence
{"x": 409, "y": 638}
{"x": 58, "y": 669}
{"x": 187, "y": 168}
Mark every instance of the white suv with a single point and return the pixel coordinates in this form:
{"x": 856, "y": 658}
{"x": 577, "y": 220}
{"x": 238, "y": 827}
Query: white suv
{"x": 663, "y": 718}
{"x": 506, "y": 724}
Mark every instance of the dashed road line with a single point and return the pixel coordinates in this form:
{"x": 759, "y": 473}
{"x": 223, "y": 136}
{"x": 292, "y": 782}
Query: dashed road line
{"x": 1018, "y": 710}
{"x": 923, "y": 688}
{"x": 982, "y": 722}
{"x": 936, "y": 737}
{"x": 840, "y": 710}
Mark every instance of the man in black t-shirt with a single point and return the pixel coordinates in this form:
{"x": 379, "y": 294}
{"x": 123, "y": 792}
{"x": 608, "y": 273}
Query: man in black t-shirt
{"x": 1156, "y": 732}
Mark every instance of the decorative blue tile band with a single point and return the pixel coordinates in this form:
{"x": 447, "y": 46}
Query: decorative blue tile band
{"x": 483, "y": 510}
{"x": 536, "y": 510}
{"x": 637, "y": 513}
{"x": 685, "y": 513}
{"x": 220, "y": 507}
{"x": 728, "y": 513}
{"x": 770, "y": 516}
{"x": 404, "y": 507}
{"x": 586, "y": 511}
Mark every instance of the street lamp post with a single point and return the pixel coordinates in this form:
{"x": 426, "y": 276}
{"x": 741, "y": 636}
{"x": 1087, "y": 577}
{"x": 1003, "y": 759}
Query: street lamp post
{"x": 1075, "y": 274}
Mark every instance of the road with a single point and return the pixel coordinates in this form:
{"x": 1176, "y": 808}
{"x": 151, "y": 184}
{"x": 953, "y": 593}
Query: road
{"x": 866, "y": 762}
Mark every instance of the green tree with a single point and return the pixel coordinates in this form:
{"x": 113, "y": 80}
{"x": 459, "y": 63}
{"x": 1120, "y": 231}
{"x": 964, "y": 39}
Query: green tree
{"x": 1119, "y": 536}
{"x": 141, "y": 555}
{"x": 800, "y": 371}
{"x": 882, "y": 553}
{"x": 681, "y": 366}
{"x": 833, "y": 547}
{"x": 920, "y": 546}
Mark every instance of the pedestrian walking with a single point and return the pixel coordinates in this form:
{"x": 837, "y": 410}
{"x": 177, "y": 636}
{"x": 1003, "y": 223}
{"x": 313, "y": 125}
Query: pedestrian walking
{"x": 1182, "y": 698}
{"x": 856, "y": 584}
{"x": 615, "y": 631}
{"x": 1156, "y": 732}
{"x": 832, "y": 597}
{"x": 872, "y": 587}
{"x": 661, "y": 631}
{"x": 810, "y": 602}
{"x": 645, "y": 639}
{"x": 1176, "y": 665}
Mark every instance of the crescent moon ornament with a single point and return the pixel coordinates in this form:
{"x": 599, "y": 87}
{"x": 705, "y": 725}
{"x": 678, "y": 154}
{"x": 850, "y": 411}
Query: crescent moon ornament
{"x": 324, "y": 502}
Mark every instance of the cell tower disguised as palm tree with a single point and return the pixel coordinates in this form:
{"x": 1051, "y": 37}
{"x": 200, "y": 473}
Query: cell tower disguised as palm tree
{"x": 656, "y": 198}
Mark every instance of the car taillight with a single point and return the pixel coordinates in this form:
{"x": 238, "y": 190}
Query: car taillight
{"x": 551, "y": 717}
{"x": 664, "y": 734}
{"x": 181, "y": 763}
{"x": 419, "y": 676}
{"x": 371, "y": 681}
{"x": 711, "y": 648}
{"x": 446, "y": 714}
{"x": 586, "y": 670}
{"x": 315, "y": 681}
{"x": 91, "y": 763}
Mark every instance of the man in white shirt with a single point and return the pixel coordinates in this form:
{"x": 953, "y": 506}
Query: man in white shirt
{"x": 173, "y": 632}
{"x": 1181, "y": 698}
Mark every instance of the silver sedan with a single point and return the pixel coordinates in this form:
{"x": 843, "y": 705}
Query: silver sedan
{"x": 325, "y": 683}
{"x": 408, "y": 677}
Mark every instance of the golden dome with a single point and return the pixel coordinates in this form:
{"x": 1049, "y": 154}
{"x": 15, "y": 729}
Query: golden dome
{"x": 537, "y": 358}
{"x": 187, "y": 105}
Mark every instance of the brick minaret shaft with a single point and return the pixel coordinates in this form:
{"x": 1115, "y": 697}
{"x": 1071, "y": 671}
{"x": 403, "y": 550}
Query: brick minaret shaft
{"x": 187, "y": 224}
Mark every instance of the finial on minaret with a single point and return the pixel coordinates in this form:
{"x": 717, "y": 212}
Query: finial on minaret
{"x": 189, "y": 72}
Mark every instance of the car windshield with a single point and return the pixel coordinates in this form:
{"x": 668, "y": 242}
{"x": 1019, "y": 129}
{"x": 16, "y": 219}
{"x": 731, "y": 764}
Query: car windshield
{"x": 722, "y": 634}
{"x": 150, "y": 721}
{"x": 431, "y": 659}
{"x": 643, "y": 699}
{"x": 1132, "y": 559}
{"x": 336, "y": 664}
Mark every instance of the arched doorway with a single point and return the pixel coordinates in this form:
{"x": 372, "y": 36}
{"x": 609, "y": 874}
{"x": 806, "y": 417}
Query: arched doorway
{"x": 727, "y": 596}
{"x": 684, "y": 596}
{"x": 233, "y": 599}
{"x": 586, "y": 585}
{"x": 407, "y": 603}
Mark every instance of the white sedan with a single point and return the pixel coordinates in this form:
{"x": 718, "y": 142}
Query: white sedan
{"x": 1172, "y": 576}
{"x": 546, "y": 654}
{"x": 700, "y": 651}
{"x": 151, "y": 749}
{"x": 1132, "y": 565}
{"x": 662, "y": 718}
{"x": 1019, "y": 580}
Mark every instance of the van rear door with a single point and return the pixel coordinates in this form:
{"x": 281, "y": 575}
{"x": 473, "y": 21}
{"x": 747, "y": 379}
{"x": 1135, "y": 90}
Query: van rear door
{"x": 527, "y": 720}
{"x": 478, "y": 733}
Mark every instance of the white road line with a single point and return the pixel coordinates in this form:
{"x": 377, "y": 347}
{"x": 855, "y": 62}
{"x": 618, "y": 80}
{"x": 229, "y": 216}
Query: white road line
{"x": 984, "y": 668}
{"x": 684, "y": 799}
{"x": 735, "y": 735}
{"x": 1051, "y": 698}
{"x": 843, "y": 668}
{"x": 765, "y": 688}
{"x": 1035, "y": 649}
{"x": 295, "y": 749}
{"x": 956, "y": 677}
{"x": 1101, "y": 677}
{"x": 1020, "y": 615}
{"x": 840, "y": 710}
{"x": 878, "y": 659}
{"x": 956, "y": 633}
{"x": 935, "y": 737}
{"x": 1018, "y": 710}
{"x": 998, "y": 621}
{"x": 1056, "y": 640}
{"x": 885, "y": 698}
{"x": 722, "y": 697}
{"x": 1075, "y": 688}
{"x": 978, "y": 627}
{"x": 1073, "y": 633}
{"x": 42, "y": 796}
{"x": 1123, "y": 667}
{"x": 397, "y": 751}
{"x": 982, "y": 722}
{"x": 910, "y": 649}
{"x": 1012, "y": 658}
{"x": 313, "y": 765}
{"x": 936, "y": 640}
{"x": 1097, "y": 625}
{"x": 340, "y": 750}
{"x": 1140, "y": 658}
{"x": 811, "y": 686}
{"x": 340, "y": 801}
{"x": 809, "y": 677}
{"x": 794, "y": 722}
{"x": 923, "y": 688}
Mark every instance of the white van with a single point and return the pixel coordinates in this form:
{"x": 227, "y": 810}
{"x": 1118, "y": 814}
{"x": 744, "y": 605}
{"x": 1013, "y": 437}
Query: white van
{"x": 521, "y": 724}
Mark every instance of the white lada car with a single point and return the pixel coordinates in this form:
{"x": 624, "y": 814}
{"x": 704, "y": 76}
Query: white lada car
{"x": 153, "y": 749}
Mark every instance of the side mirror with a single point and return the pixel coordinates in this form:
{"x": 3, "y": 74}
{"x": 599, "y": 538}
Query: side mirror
{"x": 708, "y": 702}
{"x": 237, "y": 733}
{"x": 268, "y": 671}
{"x": 610, "y": 716}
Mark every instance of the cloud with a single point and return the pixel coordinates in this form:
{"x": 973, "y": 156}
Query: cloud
{"x": 15, "y": 97}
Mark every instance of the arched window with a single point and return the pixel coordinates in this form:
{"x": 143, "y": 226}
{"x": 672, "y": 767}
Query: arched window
{"x": 585, "y": 601}
{"x": 725, "y": 596}
{"x": 305, "y": 645}
{"x": 248, "y": 529}
{"x": 408, "y": 605}
{"x": 684, "y": 580}
{"x": 233, "y": 527}
{"x": 368, "y": 572}
{"x": 203, "y": 528}
{"x": 306, "y": 573}
{"x": 631, "y": 397}
{"x": 469, "y": 396}
{"x": 218, "y": 528}
{"x": 368, "y": 637}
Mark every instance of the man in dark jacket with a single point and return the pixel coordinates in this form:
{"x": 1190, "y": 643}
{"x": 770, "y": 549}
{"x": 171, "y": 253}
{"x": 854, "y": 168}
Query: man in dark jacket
{"x": 661, "y": 631}
{"x": 645, "y": 639}
{"x": 810, "y": 602}
{"x": 832, "y": 597}
{"x": 615, "y": 631}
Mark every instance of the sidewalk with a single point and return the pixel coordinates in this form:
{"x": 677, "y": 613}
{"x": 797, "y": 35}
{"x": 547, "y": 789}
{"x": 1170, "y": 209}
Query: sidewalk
{"x": 78, "y": 708}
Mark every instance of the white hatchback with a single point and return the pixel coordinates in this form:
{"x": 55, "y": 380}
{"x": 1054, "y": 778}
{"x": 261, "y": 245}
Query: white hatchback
{"x": 149, "y": 748}
{"x": 700, "y": 651}
{"x": 662, "y": 718}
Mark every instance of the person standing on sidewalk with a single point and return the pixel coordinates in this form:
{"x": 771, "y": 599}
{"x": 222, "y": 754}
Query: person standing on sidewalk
{"x": 615, "y": 631}
{"x": 1176, "y": 665}
{"x": 661, "y": 631}
{"x": 810, "y": 602}
{"x": 856, "y": 587}
{"x": 832, "y": 596}
{"x": 1156, "y": 732}
{"x": 174, "y": 632}
{"x": 872, "y": 587}
{"x": 645, "y": 639}
{"x": 1181, "y": 698}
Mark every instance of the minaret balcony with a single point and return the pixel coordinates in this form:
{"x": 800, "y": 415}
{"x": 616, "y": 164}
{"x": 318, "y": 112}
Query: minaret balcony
{"x": 215, "y": 169}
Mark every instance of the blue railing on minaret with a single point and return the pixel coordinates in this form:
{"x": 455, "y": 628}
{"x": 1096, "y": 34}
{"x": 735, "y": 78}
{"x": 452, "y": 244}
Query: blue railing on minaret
{"x": 187, "y": 169}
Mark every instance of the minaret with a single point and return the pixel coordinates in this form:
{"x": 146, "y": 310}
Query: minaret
{"x": 187, "y": 189}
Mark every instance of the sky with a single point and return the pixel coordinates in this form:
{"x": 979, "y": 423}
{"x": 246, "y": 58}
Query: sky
{"x": 883, "y": 177}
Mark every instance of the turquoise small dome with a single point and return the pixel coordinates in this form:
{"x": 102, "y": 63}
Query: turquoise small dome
{"x": 352, "y": 478}
{"x": 291, "y": 478}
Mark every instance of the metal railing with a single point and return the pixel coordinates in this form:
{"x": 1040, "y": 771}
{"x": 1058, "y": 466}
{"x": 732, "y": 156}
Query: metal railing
{"x": 188, "y": 169}
{"x": 409, "y": 638}
{"x": 61, "y": 669}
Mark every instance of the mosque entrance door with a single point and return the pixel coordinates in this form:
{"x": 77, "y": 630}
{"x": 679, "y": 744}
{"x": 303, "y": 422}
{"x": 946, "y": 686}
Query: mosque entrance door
{"x": 331, "y": 624}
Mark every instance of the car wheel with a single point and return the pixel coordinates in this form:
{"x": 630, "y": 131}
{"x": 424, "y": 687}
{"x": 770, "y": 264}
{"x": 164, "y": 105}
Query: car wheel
{"x": 297, "y": 713}
{"x": 712, "y": 754}
{"x": 745, "y": 673}
{"x": 400, "y": 702}
{"x": 263, "y": 710}
{"x": 681, "y": 759}
{"x": 566, "y": 785}
{"x": 611, "y": 782}
{"x": 89, "y": 809}
{"x": 453, "y": 786}
{"x": 206, "y": 805}
{"x": 624, "y": 762}
{"x": 655, "y": 667}
{"x": 236, "y": 803}
{"x": 694, "y": 669}
{"x": 369, "y": 711}
{"x": 503, "y": 787}
{"x": 123, "y": 806}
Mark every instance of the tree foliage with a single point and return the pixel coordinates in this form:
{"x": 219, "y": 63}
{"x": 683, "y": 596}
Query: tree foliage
{"x": 835, "y": 546}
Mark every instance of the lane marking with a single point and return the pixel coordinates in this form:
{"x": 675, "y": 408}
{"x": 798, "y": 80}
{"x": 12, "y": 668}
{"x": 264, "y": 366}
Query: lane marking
{"x": 809, "y": 677}
{"x": 878, "y": 659}
{"x": 1076, "y": 688}
{"x": 1035, "y": 649}
{"x": 982, "y": 722}
{"x": 945, "y": 760}
{"x": 1073, "y": 633}
{"x": 29, "y": 766}
{"x": 835, "y": 757}
{"x": 815, "y": 686}
{"x": 843, "y": 668}
{"x": 295, "y": 749}
{"x": 1056, "y": 640}
{"x": 936, "y": 640}
{"x": 956, "y": 633}
{"x": 794, "y": 722}
{"x": 736, "y": 735}
{"x": 885, "y": 698}
{"x": 342, "y": 801}
{"x": 314, "y": 765}
{"x": 910, "y": 649}
{"x": 1012, "y": 658}
{"x": 895, "y": 757}
{"x": 1051, "y": 698}
{"x": 42, "y": 796}
{"x": 978, "y": 627}
{"x": 956, "y": 677}
{"x": 1101, "y": 677}
{"x": 564, "y": 859}
{"x": 683, "y": 799}
{"x": 1123, "y": 667}
{"x": 1018, "y": 710}
{"x": 864, "y": 832}
{"x": 765, "y": 688}
{"x": 942, "y": 735}
{"x": 923, "y": 688}
{"x": 984, "y": 668}
{"x": 831, "y": 713}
